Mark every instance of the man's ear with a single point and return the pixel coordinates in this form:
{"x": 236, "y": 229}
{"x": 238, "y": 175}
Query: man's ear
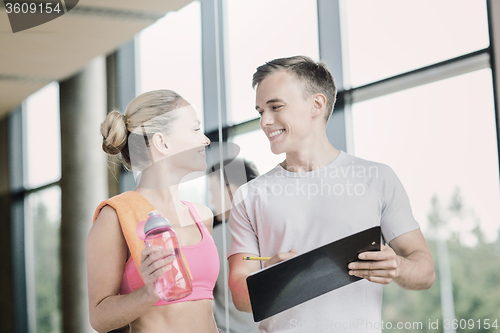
{"x": 319, "y": 104}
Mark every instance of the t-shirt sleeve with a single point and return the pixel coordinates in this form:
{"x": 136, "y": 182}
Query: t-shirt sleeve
{"x": 397, "y": 217}
{"x": 243, "y": 236}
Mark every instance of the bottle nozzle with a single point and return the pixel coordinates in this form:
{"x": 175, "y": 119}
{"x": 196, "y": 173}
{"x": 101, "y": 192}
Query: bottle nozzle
{"x": 155, "y": 221}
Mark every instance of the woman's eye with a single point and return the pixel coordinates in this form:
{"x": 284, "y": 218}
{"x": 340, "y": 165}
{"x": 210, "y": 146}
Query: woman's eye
{"x": 198, "y": 129}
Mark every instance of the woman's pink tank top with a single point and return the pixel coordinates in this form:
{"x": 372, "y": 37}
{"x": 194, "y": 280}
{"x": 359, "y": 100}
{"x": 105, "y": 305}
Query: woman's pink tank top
{"x": 202, "y": 259}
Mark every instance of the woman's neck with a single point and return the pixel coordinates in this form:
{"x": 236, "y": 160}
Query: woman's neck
{"x": 161, "y": 178}
{"x": 158, "y": 183}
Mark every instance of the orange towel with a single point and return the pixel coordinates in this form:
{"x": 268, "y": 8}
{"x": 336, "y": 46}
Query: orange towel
{"x": 132, "y": 208}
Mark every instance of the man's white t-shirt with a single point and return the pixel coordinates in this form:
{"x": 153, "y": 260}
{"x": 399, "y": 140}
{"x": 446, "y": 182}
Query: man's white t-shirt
{"x": 283, "y": 210}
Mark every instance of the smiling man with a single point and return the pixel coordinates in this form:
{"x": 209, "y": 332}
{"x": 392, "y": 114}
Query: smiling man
{"x": 317, "y": 195}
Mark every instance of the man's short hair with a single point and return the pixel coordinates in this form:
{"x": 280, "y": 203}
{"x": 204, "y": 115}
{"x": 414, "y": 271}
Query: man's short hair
{"x": 314, "y": 76}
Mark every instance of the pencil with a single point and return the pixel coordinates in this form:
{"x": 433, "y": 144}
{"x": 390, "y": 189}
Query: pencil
{"x": 256, "y": 258}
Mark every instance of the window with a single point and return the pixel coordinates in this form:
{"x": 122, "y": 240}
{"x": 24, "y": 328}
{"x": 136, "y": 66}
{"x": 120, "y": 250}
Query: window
{"x": 42, "y": 208}
{"x": 42, "y": 230}
{"x": 389, "y": 37}
{"x": 43, "y": 137}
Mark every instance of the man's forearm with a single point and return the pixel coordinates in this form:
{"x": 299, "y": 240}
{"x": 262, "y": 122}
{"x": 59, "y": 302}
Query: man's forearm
{"x": 415, "y": 271}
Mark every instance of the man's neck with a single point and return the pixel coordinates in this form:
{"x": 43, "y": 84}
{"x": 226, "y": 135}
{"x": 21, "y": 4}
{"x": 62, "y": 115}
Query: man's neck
{"x": 310, "y": 160}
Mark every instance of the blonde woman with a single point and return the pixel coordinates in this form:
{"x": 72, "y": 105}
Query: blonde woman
{"x": 160, "y": 137}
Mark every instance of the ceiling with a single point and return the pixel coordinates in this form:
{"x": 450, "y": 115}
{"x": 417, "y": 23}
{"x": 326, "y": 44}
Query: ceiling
{"x": 32, "y": 58}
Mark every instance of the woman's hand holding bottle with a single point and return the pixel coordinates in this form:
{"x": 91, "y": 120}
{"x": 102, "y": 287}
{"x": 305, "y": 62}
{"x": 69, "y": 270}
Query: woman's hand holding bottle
{"x": 155, "y": 261}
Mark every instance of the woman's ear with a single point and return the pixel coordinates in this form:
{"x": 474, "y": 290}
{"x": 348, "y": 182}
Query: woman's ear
{"x": 159, "y": 143}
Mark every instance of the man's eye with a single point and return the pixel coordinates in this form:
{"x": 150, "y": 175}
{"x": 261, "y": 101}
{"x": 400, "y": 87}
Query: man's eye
{"x": 260, "y": 113}
{"x": 198, "y": 129}
{"x": 275, "y": 107}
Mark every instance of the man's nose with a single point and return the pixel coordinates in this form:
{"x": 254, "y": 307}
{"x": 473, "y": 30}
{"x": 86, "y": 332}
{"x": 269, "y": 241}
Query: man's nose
{"x": 266, "y": 119}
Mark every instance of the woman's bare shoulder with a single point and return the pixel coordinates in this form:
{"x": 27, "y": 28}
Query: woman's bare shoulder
{"x": 106, "y": 223}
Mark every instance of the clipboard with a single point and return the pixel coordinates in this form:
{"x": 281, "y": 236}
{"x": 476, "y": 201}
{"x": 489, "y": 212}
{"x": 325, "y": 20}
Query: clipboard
{"x": 294, "y": 281}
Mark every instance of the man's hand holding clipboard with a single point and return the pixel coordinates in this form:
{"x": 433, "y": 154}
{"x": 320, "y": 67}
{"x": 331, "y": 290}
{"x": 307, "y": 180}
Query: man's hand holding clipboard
{"x": 303, "y": 277}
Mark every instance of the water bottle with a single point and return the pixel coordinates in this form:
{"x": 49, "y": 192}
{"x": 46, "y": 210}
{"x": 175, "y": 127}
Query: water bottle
{"x": 176, "y": 282}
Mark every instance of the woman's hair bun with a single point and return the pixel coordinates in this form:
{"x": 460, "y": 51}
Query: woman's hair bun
{"x": 114, "y": 133}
